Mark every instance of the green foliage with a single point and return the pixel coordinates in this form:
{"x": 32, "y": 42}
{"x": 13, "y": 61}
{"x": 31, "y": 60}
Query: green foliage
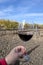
{"x": 8, "y": 24}
{"x": 26, "y": 26}
{"x": 41, "y": 26}
{"x": 36, "y": 25}
{"x": 14, "y": 25}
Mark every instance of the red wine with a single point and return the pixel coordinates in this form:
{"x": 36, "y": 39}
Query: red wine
{"x": 25, "y": 37}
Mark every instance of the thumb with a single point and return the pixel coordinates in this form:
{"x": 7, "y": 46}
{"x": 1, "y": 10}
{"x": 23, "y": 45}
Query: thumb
{"x": 20, "y": 54}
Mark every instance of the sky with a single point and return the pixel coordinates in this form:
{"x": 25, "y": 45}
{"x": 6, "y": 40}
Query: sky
{"x": 22, "y": 10}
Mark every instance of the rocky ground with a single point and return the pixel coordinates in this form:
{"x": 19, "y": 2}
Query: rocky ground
{"x": 34, "y": 48}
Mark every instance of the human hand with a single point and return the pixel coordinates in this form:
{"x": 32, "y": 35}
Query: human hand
{"x": 15, "y": 54}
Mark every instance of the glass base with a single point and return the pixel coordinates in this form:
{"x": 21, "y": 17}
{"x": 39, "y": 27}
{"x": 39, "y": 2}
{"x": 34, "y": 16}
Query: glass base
{"x": 26, "y": 58}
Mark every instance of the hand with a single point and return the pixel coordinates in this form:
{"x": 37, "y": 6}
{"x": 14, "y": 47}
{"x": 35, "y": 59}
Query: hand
{"x": 15, "y": 54}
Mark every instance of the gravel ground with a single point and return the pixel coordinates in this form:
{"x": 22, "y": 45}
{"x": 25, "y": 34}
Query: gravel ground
{"x": 34, "y": 48}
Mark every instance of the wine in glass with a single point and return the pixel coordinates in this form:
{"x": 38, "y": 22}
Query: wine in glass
{"x": 25, "y": 35}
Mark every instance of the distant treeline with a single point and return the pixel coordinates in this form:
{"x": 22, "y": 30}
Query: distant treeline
{"x": 7, "y": 24}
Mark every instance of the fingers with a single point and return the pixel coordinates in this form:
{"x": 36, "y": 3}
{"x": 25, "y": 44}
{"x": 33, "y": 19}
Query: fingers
{"x": 21, "y": 49}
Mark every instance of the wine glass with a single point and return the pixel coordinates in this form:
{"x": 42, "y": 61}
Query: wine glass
{"x": 25, "y": 34}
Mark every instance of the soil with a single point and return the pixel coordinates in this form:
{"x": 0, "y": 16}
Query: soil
{"x": 34, "y": 48}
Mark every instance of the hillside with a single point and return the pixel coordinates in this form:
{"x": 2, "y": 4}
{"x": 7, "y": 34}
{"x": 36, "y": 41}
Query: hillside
{"x": 8, "y": 24}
